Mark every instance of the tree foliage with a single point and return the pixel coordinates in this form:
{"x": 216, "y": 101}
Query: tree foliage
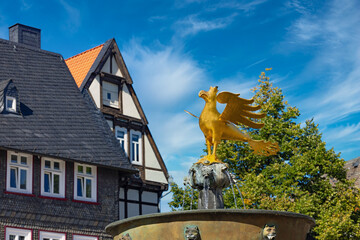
{"x": 304, "y": 177}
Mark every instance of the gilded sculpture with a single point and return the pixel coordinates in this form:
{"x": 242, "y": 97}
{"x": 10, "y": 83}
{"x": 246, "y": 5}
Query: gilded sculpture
{"x": 217, "y": 127}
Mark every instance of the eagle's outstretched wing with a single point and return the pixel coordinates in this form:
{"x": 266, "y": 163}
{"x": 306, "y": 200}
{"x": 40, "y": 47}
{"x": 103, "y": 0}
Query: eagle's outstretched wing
{"x": 239, "y": 110}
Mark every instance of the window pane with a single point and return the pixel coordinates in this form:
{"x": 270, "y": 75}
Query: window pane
{"x": 12, "y": 237}
{"x": 57, "y": 165}
{"x": 137, "y": 153}
{"x": 133, "y": 151}
{"x": 13, "y": 158}
{"x": 120, "y": 134}
{"x": 135, "y": 138}
{"x": 23, "y": 179}
{"x": 47, "y": 177}
{"x": 21, "y": 238}
{"x": 109, "y": 96}
{"x": 23, "y": 160}
{"x": 13, "y": 177}
{"x": 80, "y": 169}
{"x": 88, "y": 170}
{"x": 88, "y": 188}
{"x": 10, "y": 103}
{"x": 80, "y": 186}
{"x": 56, "y": 183}
{"x": 47, "y": 164}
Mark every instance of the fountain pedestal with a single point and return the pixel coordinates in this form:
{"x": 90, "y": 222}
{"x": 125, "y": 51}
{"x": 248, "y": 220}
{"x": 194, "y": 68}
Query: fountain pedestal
{"x": 209, "y": 180}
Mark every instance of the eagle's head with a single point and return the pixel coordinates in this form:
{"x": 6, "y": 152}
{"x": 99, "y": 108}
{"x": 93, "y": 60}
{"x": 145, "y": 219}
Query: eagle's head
{"x": 209, "y": 95}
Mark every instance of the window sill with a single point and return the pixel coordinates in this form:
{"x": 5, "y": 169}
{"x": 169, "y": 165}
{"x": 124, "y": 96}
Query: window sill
{"x": 88, "y": 202}
{"x": 53, "y": 198}
{"x": 20, "y": 193}
{"x": 137, "y": 163}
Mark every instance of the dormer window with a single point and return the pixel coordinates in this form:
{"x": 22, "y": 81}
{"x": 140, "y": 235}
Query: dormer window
{"x": 9, "y": 98}
{"x": 10, "y": 104}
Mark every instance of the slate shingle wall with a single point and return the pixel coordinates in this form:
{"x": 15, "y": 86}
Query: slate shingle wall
{"x": 37, "y": 213}
{"x": 353, "y": 170}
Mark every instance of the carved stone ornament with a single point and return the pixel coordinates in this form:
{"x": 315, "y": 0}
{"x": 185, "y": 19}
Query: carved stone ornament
{"x": 126, "y": 237}
{"x": 268, "y": 232}
{"x": 192, "y": 232}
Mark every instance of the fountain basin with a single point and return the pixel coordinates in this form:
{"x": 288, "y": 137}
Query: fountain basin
{"x": 224, "y": 224}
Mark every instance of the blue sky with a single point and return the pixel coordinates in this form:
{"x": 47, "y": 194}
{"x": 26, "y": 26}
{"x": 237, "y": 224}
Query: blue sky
{"x": 174, "y": 48}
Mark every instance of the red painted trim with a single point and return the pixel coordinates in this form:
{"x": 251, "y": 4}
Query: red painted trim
{"x": 74, "y": 234}
{"x": 88, "y": 202}
{"x": 31, "y": 234}
{"x": 21, "y": 194}
{"x": 41, "y": 230}
{"x": 53, "y": 198}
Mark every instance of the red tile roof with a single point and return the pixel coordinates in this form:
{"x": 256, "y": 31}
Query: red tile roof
{"x": 80, "y": 64}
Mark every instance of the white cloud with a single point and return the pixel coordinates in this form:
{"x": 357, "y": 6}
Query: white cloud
{"x": 166, "y": 75}
{"x": 335, "y": 63}
{"x": 192, "y": 25}
{"x": 343, "y": 132}
{"x": 333, "y": 73}
{"x": 73, "y": 19}
{"x": 25, "y": 5}
{"x": 178, "y": 134}
{"x": 245, "y": 6}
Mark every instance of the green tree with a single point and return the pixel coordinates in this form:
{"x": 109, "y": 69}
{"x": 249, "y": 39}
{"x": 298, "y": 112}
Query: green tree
{"x": 304, "y": 177}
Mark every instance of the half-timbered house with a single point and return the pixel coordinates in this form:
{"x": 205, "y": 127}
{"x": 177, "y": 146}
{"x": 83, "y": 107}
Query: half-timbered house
{"x": 102, "y": 72}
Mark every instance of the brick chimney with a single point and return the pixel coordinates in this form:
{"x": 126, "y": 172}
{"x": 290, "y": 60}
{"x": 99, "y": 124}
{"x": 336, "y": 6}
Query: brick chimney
{"x": 26, "y": 35}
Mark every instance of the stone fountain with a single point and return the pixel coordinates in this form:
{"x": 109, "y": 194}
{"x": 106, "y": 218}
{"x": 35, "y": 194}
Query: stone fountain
{"x": 210, "y": 176}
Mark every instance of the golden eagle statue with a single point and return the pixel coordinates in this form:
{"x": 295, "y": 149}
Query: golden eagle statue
{"x": 217, "y": 127}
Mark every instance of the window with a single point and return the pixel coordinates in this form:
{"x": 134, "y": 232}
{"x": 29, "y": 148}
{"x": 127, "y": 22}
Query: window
{"x": 121, "y": 135}
{"x": 110, "y": 94}
{"x": 135, "y": 147}
{"x": 19, "y": 172}
{"x": 51, "y": 236}
{"x": 52, "y": 178}
{"x": 17, "y": 234}
{"x": 83, "y": 237}
{"x": 10, "y": 104}
{"x": 85, "y": 182}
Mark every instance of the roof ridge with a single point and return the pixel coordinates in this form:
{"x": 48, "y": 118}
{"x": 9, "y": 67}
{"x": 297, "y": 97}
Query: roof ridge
{"x": 86, "y": 51}
{"x": 31, "y": 48}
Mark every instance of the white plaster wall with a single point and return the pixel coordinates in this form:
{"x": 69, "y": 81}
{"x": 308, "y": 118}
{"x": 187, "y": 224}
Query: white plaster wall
{"x": 115, "y": 68}
{"x": 150, "y": 157}
{"x": 128, "y": 104}
{"x": 95, "y": 90}
{"x": 155, "y": 176}
{"x": 106, "y": 67}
